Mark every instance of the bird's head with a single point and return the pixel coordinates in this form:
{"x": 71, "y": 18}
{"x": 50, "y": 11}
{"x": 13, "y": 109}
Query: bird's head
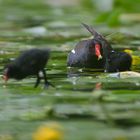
{"x": 9, "y": 71}
{"x": 100, "y": 42}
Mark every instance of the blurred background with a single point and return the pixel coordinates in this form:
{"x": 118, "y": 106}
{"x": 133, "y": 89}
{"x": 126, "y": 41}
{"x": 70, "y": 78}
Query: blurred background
{"x": 42, "y": 12}
{"x": 73, "y": 104}
{"x": 42, "y": 17}
{"x": 54, "y": 18}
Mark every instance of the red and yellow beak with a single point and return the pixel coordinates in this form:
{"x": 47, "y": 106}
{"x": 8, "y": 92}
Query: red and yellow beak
{"x": 5, "y": 78}
{"x": 97, "y": 51}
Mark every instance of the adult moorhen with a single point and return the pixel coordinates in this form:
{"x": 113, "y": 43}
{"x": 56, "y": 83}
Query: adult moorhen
{"x": 98, "y": 53}
{"x": 30, "y": 62}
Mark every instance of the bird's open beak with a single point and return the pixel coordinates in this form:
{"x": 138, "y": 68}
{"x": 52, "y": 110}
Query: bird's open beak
{"x": 97, "y": 51}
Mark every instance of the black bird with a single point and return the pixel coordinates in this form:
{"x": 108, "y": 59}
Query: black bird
{"x": 98, "y": 53}
{"x": 119, "y": 61}
{"x": 30, "y": 62}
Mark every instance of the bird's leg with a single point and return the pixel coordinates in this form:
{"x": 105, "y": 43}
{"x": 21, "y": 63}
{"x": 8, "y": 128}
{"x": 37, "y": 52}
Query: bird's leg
{"x": 45, "y": 79}
{"x": 38, "y": 80}
{"x": 106, "y": 67}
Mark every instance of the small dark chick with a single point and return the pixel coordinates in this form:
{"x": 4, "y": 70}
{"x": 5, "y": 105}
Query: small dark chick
{"x": 119, "y": 61}
{"x": 30, "y": 62}
{"x": 98, "y": 53}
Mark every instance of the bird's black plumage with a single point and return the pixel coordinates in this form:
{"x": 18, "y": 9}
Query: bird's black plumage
{"x": 86, "y": 54}
{"x": 119, "y": 61}
{"x": 30, "y": 62}
{"x": 83, "y": 55}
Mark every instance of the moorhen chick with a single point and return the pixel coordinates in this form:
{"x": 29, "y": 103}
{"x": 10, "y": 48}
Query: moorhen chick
{"x": 98, "y": 53}
{"x": 119, "y": 61}
{"x": 30, "y": 62}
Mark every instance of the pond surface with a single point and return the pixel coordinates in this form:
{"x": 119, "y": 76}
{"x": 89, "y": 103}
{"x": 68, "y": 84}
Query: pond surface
{"x": 84, "y": 113}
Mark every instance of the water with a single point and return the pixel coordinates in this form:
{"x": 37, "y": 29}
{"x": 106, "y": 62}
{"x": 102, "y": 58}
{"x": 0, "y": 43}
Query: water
{"x": 82, "y": 111}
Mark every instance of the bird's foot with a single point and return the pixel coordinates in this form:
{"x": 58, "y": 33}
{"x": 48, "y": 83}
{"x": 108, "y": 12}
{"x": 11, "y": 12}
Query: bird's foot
{"x": 47, "y": 84}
